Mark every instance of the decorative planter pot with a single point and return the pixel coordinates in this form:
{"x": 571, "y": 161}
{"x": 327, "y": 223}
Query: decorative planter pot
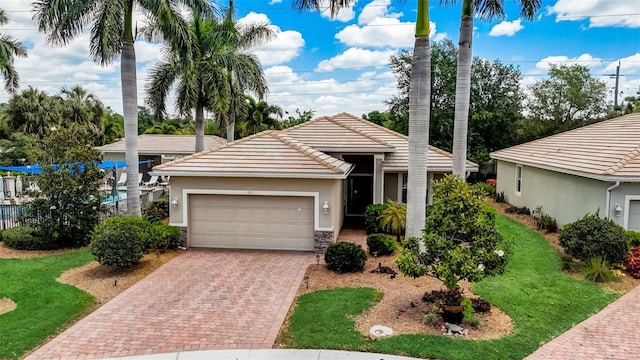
{"x": 452, "y": 314}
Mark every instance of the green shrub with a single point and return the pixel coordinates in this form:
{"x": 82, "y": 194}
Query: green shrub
{"x": 393, "y": 219}
{"x": 381, "y": 244}
{"x": 165, "y": 237}
{"x": 372, "y": 218}
{"x": 24, "y": 238}
{"x": 545, "y": 222}
{"x": 597, "y": 269}
{"x": 592, "y": 236}
{"x": 121, "y": 241}
{"x": 485, "y": 189}
{"x": 345, "y": 257}
{"x": 633, "y": 238}
{"x": 518, "y": 210}
{"x": 157, "y": 210}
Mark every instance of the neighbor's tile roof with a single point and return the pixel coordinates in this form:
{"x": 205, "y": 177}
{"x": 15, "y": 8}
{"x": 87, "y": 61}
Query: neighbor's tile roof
{"x": 269, "y": 153}
{"x": 607, "y": 149}
{"x": 397, "y": 159}
{"x": 164, "y": 144}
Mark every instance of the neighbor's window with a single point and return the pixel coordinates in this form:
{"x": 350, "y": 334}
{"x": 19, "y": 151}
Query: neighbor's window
{"x": 518, "y": 179}
{"x": 403, "y": 188}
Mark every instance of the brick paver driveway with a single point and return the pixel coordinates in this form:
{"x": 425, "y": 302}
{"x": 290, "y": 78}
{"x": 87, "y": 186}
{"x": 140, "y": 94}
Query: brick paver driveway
{"x": 202, "y": 299}
{"x": 610, "y": 334}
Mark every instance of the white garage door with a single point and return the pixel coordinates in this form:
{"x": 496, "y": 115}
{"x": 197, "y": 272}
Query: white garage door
{"x": 251, "y": 222}
{"x": 634, "y": 215}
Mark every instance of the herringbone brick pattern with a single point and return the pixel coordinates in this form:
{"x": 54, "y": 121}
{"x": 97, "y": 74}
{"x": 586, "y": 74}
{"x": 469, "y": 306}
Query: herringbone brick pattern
{"x": 610, "y": 334}
{"x": 201, "y": 300}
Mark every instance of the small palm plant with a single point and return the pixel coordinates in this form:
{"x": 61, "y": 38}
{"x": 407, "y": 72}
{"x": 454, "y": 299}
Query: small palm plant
{"x": 393, "y": 219}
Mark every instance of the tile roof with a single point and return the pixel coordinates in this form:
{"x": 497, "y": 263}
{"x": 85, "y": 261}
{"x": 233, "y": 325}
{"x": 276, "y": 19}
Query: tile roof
{"x": 606, "y": 150}
{"x": 266, "y": 154}
{"x": 395, "y": 160}
{"x": 164, "y": 144}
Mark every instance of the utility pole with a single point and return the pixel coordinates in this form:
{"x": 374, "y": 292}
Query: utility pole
{"x": 615, "y": 94}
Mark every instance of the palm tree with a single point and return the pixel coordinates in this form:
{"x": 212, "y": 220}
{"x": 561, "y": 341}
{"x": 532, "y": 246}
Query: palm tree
{"x": 111, "y": 24}
{"x": 9, "y": 49}
{"x": 259, "y": 114}
{"x": 33, "y": 112}
{"x": 419, "y": 110}
{"x": 486, "y": 9}
{"x": 83, "y": 108}
{"x": 219, "y": 67}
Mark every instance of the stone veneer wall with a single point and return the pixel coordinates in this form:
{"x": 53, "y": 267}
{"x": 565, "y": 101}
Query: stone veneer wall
{"x": 183, "y": 236}
{"x": 322, "y": 241}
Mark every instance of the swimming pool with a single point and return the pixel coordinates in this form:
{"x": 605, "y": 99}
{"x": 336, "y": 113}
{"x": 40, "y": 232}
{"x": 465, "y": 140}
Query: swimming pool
{"x": 122, "y": 195}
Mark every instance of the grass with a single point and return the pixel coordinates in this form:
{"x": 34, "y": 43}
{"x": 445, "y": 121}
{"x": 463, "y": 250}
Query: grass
{"x": 541, "y": 300}
{"x": 43, "y": 304}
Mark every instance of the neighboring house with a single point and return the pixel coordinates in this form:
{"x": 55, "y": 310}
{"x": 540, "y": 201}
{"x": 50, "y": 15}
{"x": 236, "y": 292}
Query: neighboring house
{"x": 158, "y": 148}
{"x": 591, "y": 169}
{"x": 291, "y": 189}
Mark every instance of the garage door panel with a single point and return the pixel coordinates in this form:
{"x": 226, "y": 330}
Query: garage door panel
{"x": 251, "y": 222}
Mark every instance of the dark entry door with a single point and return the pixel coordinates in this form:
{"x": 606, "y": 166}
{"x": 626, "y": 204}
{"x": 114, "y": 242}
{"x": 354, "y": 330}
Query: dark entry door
{"x": 359, "y": 194}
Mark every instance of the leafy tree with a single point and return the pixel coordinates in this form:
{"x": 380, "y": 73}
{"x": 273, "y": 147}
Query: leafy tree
{"x": 633, "y": 103}
{"x": 419, "y": 107}
{"x": 67, "y": 208}
{"x": 81, "y": 107}
{"x": 33, "y": 112}
{"x": 485, "y": 9}
{"x": 568, "y": 99}
{"x": 459, "y": 241}
{"x": 377, "y": 117}
{"x": 492, "y": 122}
{"x": 146, "y": 119}
{"x": 113, "y": 127}
{"x": 300, "y": 118}
{"x": 20, "y": 149}
{"x": 10, "y": 48}
{"x": 112, "y": 35}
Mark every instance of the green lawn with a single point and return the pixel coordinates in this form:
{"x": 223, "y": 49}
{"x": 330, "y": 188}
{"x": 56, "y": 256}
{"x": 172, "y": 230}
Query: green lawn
{"x": 43, "y": 304}
{"x": 541, "y": 300}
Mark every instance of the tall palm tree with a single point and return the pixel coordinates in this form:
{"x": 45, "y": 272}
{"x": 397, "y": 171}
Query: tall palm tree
{"x": 419, "y": 110}
{"x": 486, "y": 9}
{"x": 112, "y": 35}
{"x": 33, "y": 112}
{"x": 83, "y": 108}
{"x": 10, "y": 48}
{"x": 219, "y": 67}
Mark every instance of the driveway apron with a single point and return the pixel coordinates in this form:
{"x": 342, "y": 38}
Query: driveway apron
{"x": 202, "y": 300}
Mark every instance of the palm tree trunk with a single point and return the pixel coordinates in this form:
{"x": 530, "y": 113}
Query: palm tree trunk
{"x": 199, "y": 128}
{"x": 231, "y": 120}
{"x": 419, "y": 112}
{"x": 463, "y": 91}
{"x": 130, "y": 109}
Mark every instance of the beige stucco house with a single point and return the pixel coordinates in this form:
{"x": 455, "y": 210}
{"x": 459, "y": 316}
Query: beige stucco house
{"x": 291, "y": 189}
{"x": 586, "y": 170}
{"x": 154, "y": 149}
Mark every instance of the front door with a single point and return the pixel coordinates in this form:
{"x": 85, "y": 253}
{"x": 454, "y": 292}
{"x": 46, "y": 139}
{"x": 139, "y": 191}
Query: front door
{"x": 359, "y": 194}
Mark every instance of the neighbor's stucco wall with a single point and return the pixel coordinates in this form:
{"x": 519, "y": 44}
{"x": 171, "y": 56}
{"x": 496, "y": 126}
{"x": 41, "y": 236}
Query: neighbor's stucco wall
{"x": 336, "y": 206}
{"x": 562, "y": 196}
{"x": 619, "y": 196}
{"x": 328, "y": 189}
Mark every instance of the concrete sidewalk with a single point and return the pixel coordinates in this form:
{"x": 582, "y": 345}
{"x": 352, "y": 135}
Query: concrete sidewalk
{"x": 267, "y": 354}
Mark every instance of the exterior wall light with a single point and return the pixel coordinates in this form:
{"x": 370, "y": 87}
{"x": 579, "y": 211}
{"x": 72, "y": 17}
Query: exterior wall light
{"x": 617, "y": 210}
{"x": 174, "y": 203}
{"x": 325, "y": 207}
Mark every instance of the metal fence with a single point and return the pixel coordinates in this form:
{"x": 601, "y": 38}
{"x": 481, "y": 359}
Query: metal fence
{"x": 12, "y": 215}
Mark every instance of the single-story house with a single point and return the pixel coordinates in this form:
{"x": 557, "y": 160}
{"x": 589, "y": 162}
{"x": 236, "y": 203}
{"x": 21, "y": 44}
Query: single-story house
{"x": 291, "y": 189}
{"x": 591, "y": 169}
{"x": 154, "y": 149}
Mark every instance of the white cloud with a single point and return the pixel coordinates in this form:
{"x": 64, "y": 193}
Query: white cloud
{"x": 383, "y": 32}
{"x": 506, "y": 28}
{"x": 356, "y": 58}
{"x": 622, "y": 13}
{"x": 345, "y": 14}
{"x": 376, "y": 9}
{"x": 272, "y": 2}
{"x": 585, "y": 59}
{"x": 285, "y": 47}
{"x": 329, "y": 96}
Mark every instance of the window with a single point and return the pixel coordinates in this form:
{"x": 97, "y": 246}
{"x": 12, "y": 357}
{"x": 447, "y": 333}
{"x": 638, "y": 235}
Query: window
{"x": 403, "y": 187}
{"x": 518, "y": 179}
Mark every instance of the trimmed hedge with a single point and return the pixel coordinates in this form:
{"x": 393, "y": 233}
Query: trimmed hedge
{"x": 345, "y": 257}
{"x": 24, "y": 238}
{"x": 372, "y": 218}
{"x": 121, "y": 241}
{"x": 593, "y": 236}
{"x": 381, "y": 244}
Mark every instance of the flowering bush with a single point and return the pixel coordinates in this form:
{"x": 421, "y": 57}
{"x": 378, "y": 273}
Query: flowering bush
{"x": 460, "y": 240}
{"x": 632, "y": 263}
{"x": 492, "y": 182}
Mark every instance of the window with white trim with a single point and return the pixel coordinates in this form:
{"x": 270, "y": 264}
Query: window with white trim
{"x": 518, "y": 179}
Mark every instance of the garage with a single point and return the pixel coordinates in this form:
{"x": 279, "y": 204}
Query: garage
{"x": 633, "y": 219}
{"x": 251, "y": 222}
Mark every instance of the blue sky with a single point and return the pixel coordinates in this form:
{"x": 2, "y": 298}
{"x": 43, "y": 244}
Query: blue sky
{"x": 333, "y": 65}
